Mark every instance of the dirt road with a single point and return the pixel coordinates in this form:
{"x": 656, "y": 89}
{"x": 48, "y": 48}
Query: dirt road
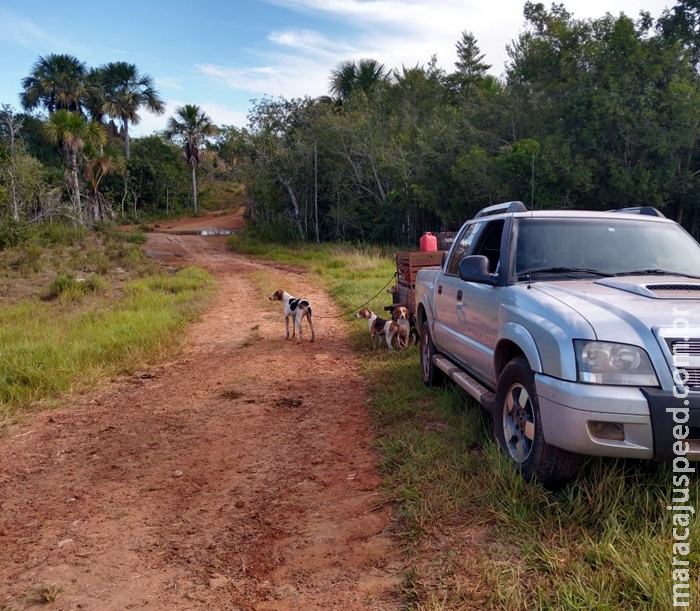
{"x": 239, "y": 476}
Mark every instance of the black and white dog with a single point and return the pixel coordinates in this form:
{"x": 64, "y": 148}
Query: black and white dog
{"x": 296, "y": 309}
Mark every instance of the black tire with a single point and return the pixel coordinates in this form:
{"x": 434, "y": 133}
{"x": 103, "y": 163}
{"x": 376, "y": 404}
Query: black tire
{"x": 432, "y": 376}
{"x": 518, "y": 429}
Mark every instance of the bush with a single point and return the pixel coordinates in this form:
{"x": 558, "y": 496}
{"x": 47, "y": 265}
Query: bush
{"x": 60, "y": 234}
{"x": 13, "y": 233}
{"x": 69, "y": 287}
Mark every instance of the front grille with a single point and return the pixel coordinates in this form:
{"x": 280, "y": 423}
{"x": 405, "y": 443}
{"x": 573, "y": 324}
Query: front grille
{"x": 689, "y": 348}
{"x": 686, "y": 355}
{"x": 693, "y": 378}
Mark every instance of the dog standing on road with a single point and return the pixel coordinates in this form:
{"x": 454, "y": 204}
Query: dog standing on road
{"x": 297, "y": 310}
{"x": 378, "y": 327}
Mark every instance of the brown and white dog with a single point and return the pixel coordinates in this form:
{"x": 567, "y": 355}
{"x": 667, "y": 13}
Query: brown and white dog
{"x": 401, "y": 317}
{"x": 297, "y": 310}
{"x": 378, "y": 327}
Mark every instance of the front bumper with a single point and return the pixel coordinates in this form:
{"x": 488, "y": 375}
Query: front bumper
{"x": 571, "y": 414}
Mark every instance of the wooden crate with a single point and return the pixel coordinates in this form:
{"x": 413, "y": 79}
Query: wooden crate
{"x": 407, "y": 265}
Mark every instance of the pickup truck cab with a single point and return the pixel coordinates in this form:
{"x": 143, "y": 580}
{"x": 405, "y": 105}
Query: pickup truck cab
{"x": 578, "y": 330}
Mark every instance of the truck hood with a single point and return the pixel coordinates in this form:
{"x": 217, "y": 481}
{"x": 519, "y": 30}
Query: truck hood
{"x": 639, "y": 303}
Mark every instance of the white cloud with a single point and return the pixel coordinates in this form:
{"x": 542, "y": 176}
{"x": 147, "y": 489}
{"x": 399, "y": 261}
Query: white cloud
{"x": 409, "y": 32}
{"x": 397, "y": 33}
{"x": 18, "y": 31}
{"x": 286, "y": 76}
{"x": 167, "y": 82}
{"x": 306, "y": 41}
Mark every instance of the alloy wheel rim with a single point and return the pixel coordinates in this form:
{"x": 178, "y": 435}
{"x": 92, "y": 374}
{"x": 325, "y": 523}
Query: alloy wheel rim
{"x": 518, "y": 423}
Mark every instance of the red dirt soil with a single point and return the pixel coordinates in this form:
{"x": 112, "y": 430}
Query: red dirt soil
{"x": 239, "y": 476}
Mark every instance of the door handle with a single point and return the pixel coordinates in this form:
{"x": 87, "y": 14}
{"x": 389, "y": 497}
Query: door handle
{"x": 440, "y": 289}
{"x": 459, "y": 295}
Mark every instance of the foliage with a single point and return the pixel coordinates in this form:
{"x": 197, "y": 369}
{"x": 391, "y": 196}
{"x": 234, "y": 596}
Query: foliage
{"x": 13, "y": 233}
{"x": 594, "y": 113}
{"x": 589, "y": 113}
{"x": 364, "y": 78}
{"x": 155, "y": 182}
{"x": 56, "y": 82}
{"x": 71, "y": 288}
{"x": 125, "y": 90}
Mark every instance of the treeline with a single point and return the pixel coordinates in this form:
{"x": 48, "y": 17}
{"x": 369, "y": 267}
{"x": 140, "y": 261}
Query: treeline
{"x": 597, "y": 114}
{"x": 69, "y": 156}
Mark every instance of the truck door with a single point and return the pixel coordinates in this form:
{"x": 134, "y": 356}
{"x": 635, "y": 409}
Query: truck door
{"x": 446, "y": 290}
{"x": 469, "y": 311}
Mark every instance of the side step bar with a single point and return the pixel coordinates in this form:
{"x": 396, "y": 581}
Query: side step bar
{"x": 472, "y": 387}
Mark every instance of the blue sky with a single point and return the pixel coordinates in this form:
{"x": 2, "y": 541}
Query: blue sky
{"x": 221, "y": 54}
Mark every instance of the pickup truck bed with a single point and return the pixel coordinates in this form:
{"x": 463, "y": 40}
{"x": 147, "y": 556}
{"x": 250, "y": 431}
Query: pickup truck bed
{"x": 408, "y": 263}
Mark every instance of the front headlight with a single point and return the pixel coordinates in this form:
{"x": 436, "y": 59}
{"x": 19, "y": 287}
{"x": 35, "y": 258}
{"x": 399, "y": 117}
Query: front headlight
{"x": 611, "y": 363}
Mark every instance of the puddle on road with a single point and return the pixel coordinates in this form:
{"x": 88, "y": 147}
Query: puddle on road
{"x": 200, "y": 232}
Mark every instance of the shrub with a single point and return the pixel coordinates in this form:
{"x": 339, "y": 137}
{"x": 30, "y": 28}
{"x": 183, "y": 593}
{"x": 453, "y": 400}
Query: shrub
{"x": 67, "y": 286}
{"x": 13, "y": 233}
{"x": 60, "y": 234}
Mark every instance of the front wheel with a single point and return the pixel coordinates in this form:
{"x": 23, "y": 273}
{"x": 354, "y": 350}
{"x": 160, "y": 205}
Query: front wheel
{"x": 432, "y": 376}
{"x": 518, "y": 429}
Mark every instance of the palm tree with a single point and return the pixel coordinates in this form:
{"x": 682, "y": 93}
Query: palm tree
{"x": 189, "y": 127}
{"x": 365, "y": 76}
{"x": 126, "y": 91}
{"x": 71, "y": 132}
{"x": 97, "y": 166}
{"x": 56, "y": 82}
{"x": 94, "y": 103}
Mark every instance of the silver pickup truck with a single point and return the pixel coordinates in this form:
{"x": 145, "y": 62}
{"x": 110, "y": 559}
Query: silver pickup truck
{"x": 578, "y": 330}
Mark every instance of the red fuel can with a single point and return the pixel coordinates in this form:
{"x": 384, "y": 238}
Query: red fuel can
{"x": 428, "y": 242}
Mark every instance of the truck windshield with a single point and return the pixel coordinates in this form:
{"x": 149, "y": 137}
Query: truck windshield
{"x": 601, "y": 246}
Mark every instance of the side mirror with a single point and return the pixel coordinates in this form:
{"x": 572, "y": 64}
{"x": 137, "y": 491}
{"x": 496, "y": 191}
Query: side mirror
{"x": 475, "y": 268}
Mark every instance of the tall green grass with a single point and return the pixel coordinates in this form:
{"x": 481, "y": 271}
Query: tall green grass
{"x": 477, "y": 536}
{"x": 49, "y": 348}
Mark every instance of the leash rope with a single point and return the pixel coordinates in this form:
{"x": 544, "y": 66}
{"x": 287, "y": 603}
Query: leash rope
{"x": 365, "y": 303}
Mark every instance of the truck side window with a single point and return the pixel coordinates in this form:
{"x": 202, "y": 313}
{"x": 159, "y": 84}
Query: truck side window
{"x": 490, "y": 244}
{"x": 460, "y": 248}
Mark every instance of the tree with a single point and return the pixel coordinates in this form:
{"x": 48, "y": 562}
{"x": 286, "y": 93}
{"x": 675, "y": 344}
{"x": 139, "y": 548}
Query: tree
{"x": 97, "y": 166}
{"x": 190, "y": 127}
{"x": 71, "y": 131}
{"x": 126, "y": 91}
{"x": 611, "y": 108}
{"x": 22, "y": 176}
{"x": 56, "y": 82}
{"x": 682, "y": 23}
{"x": 279, "y": 157}
{"x": 365, "y": 76}
{"x": 154, "y": 176}
{"x": 10, "y": 126}
{"x": 471, "y": 69}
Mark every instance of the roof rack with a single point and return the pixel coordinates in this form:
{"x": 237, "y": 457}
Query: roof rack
{"x": 514, "y": 206}
{"x": 648, "y": 210}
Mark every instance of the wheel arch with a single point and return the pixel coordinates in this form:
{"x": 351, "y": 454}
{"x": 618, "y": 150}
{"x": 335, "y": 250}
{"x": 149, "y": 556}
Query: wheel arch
{"x": 422, "y": 315}
{"x": 516, "y": 341}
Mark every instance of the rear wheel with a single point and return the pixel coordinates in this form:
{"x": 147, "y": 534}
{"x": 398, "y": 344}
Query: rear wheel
{"x": 518, "y": 429}
{"x": 432, "y": 376}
